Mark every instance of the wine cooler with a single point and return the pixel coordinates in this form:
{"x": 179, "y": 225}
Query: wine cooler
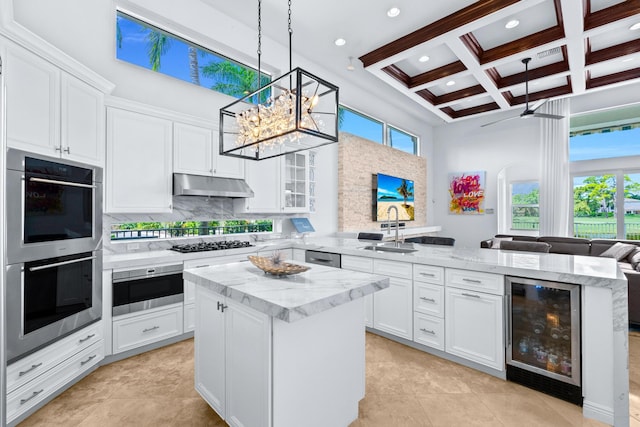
{"x": 543, "y": 337}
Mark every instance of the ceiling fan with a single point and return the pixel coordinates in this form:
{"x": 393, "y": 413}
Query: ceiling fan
{"x": 528, "y": 112}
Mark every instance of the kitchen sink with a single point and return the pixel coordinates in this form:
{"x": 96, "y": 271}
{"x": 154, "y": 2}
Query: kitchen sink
{"x": 390, "y": 248}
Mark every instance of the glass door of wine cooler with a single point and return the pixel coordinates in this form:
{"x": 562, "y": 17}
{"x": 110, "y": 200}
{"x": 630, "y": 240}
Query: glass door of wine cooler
{"x": 544, "y": 328}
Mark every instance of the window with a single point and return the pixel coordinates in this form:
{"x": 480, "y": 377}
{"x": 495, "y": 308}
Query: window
{"x": 525, "y": 209}
{"x": 606, "y": 179}
{"x": 360, "y": 125}
{"x": 168, "y": 230}
{"x": 145, "y": 45}
{"x": 605, "y": 143}
{"x": 367, "y": 127}
{"x": 402, "y": 140}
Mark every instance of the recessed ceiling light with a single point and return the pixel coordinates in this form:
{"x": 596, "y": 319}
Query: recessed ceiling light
{"x": 340, "y": 42}
{"x": 393, "y": 12}
{"x": 423, "y": 58}
{"x": 512, "y": 24}
{"x": 635, "y": 26}
{"x": 450, "y": 83}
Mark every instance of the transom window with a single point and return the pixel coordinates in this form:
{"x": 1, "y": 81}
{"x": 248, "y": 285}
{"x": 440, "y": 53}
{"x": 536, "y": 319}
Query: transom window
{"x": 148, "y": 46}
{"x": 367, "y": 127}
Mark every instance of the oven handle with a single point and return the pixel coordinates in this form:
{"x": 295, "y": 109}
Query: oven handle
{"x": 58, "y": 264}
{"x": 54, "y": 181}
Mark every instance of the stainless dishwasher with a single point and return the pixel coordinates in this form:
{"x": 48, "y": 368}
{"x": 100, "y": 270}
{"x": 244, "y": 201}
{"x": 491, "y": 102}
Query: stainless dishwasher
{"x": 323, "y": 258}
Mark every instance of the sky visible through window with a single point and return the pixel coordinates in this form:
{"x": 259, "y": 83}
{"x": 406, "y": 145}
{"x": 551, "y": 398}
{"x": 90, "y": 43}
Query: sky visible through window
{"x": 175, "y": 57}
{"x": 605, "y": 145}
{"x": 360, "y": 125}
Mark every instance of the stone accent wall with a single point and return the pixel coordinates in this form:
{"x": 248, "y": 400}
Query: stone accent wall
{"x": 358, "y": 160}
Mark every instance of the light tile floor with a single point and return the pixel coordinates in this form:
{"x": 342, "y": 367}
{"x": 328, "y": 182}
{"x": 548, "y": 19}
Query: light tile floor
{"x": 405, "y": 387}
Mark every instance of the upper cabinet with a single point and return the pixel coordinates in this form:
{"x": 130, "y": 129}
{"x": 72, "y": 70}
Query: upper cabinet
{"x": 195, "y": 151}
{"x": 264, "y": 179}
{"x": 51, "y": 112}
{"x": 139, "y": 163}
{"x": 295, "y": 182}
{"x": 280, "y": 184}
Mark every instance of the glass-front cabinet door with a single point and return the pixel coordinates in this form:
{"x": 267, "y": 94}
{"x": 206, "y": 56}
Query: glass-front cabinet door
{"x": 295, "y": 184}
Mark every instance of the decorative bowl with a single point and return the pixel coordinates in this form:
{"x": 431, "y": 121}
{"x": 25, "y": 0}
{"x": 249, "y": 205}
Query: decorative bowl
{"x": 280, "y": 269}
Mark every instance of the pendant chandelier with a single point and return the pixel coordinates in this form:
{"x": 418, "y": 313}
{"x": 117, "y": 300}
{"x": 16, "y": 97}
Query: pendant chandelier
{"x": 298, "y": 111}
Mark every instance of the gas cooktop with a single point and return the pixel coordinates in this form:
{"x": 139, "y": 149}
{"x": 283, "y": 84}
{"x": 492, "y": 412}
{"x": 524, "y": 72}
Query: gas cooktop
{"x": 210, "y": 246}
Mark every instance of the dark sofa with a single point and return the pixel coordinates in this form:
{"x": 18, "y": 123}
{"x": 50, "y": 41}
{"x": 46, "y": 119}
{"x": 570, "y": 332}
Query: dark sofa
{"x": 595, "y": 247}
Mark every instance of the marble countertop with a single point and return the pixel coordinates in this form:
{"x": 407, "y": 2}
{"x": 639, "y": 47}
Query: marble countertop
{"x": 287, "y": 298}
{"x": 584, "y": 270}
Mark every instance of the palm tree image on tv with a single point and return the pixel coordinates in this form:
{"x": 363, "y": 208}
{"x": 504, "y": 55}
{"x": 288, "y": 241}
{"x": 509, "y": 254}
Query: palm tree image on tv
{"x": 398, "y": 192}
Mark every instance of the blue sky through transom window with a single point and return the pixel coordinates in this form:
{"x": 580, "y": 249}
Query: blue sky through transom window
{"x": 152, "y": 48}
{"x": 618, "y": 143}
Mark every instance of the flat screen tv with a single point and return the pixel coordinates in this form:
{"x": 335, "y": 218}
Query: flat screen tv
{"x": 393, "y": 191}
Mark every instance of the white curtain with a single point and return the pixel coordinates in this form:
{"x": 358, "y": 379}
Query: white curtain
{"x": 555, "y": 184}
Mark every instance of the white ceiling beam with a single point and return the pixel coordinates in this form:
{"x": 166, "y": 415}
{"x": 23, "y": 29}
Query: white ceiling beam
{"x": 572, "y": 15}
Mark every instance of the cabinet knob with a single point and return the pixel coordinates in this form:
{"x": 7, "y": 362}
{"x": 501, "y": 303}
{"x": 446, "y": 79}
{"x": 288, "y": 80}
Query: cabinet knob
{"x": 221, "y": 306}
{"x": 67, "y": 150}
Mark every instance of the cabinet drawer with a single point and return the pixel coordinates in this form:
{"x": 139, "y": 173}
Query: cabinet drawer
{"x": 428, "y": 298}
{"x": 209, "y": 261}
{"x": 475, "y": 281}
{"x": 401, "y": 270}
{"x": 428, "y": 273}
{"x": 35, "y": 364}
{"x": 428, "y": 330}
{"x": 26, "y": 397}
{"x": 357, "y": 263}
{"x": 136, "y": 331}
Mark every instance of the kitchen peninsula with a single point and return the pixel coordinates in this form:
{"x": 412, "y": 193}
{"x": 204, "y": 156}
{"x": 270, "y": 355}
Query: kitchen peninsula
{"x": 603, "y": 287}
{"x": 281, "y": 350}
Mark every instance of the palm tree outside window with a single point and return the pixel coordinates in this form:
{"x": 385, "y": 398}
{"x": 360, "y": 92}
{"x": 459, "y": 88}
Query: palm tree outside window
{"x": 148, "y": 46}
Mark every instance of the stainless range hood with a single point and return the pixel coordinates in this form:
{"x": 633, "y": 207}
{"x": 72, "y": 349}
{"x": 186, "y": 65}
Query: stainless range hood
{"x": 211, "y": 186}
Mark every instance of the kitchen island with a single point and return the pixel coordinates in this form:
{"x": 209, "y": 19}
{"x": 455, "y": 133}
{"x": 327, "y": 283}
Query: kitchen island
{"x": 281, "y": 351}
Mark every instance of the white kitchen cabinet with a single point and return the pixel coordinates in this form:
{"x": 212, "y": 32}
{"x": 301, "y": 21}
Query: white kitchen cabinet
{"x": 139, "y": 163}
{"x": 393, "y": 307}
{"x": 51, "y": 112}
{"x": 295, "y": 182}
{"x": 364, "y": 265}
{"x": 428, "y": 298}
{"x": 264, "y": 179}
{"x": 40, "y": 375}
{"x": 232, "y": 359}
{"x": 474, "y": 326}
{"x": 429, "y": 330}
{"x": 134, "y": 330}
{"x": 33, "y": 102}
{"x": 195, "y": 151}
{"x": 31, "y": 394}
{"x": 82, "y": 122}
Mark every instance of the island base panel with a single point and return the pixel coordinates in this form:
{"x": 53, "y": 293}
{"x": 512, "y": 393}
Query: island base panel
{"x": 319, "y": 368}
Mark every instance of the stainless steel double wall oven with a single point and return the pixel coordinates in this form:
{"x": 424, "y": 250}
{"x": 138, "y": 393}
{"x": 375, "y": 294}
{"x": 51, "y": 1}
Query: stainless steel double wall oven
{"x": 54, "y": 249}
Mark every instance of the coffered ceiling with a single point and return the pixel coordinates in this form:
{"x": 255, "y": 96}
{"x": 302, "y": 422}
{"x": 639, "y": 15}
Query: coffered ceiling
{"x": 576, "y": 47}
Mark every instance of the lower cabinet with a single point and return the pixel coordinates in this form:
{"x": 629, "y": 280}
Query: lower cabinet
{"x": 393, "y": 307}
{"x": 137, "y": 329}
{"x": 474, "y": 326}
{"x": 40, "y": 375}
{"x": 428, "y": 330}
{"x": 364, "y": 265}
{"x": 232, "y": 359}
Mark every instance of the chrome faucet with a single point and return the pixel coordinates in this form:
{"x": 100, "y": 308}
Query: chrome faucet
{"x": 397, "y": 223}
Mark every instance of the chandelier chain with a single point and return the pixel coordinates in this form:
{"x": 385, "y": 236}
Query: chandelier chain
{"x": 259, "y": 43}
{"x": 290, "y": 37}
